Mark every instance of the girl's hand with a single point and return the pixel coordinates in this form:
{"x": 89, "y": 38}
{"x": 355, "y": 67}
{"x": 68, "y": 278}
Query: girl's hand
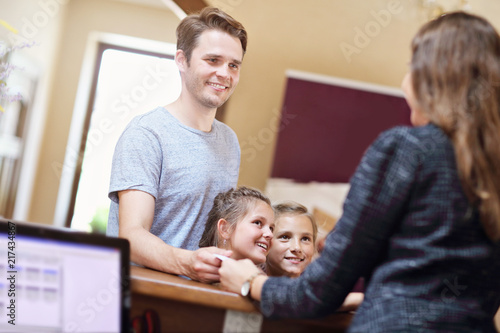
{"x": 352, "y": 302}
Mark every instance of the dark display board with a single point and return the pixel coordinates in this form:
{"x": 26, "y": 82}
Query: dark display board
{"x": 329, "y": 123}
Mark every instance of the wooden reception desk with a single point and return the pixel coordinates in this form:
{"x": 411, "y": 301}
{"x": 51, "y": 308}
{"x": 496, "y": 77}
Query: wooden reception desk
{"x": 188, "y": 306}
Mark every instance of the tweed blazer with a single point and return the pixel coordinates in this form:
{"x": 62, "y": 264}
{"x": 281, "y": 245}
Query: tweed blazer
{"x": 408, "y": 228}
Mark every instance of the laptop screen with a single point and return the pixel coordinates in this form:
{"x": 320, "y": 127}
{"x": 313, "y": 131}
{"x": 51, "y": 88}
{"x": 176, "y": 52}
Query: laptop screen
{"x": 59, "y": 280}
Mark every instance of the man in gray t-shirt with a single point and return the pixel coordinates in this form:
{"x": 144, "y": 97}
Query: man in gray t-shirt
{"x": 170, "y": 163}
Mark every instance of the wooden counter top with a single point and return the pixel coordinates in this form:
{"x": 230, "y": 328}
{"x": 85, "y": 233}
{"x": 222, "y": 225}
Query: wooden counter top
{"x": 184, "y": 305}
{"x": 157, "y": 284}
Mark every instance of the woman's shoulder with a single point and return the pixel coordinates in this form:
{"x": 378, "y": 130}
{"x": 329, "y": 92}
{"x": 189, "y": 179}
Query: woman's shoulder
{"x": 410, "y": 146}
{"x": 412, "y": 133}
{"x": 428, "y": 137}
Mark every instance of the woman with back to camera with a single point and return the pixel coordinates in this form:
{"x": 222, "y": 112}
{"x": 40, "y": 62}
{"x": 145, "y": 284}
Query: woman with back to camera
{"x": 422, "y": 217}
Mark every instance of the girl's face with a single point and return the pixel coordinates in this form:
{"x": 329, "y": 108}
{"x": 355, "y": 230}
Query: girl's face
{"x": 417, "y": 118}
{"x": 253, "y": 234}
{"x": 293, "y": 246}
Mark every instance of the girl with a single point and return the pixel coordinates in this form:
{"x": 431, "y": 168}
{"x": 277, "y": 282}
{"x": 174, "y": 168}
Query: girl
{"x": 294, "y": 241}
{"x": 241, "y": 220}
{"x": 422, "y": 217}
{"x": 294, "y": 247}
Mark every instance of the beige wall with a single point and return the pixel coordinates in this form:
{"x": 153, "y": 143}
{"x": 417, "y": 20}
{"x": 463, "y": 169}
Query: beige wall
{"x": 283, "y": 34}
{"x": 291, "y": 35}
{"x": 307, "y": 36}
{"x": 42, "y": 26}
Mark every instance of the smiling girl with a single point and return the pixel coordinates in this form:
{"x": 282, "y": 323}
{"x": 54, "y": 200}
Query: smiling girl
{"x": 241, "y": 220}
{"x": 294, "y": 242}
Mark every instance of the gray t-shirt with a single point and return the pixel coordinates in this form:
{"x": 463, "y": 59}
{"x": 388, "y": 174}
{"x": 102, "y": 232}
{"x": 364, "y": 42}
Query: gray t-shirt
{"x": 183, "y": 168}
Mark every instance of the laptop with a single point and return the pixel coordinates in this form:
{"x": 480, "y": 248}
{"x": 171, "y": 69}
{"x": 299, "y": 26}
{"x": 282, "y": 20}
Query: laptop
{"x": 60, "y": 280}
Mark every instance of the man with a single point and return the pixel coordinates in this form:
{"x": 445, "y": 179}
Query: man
{"x": 170, "y": 163}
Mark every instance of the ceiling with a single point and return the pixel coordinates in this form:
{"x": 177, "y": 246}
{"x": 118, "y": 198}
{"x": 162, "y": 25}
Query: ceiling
{"x": 186, "y": 5}
{"x": 148, "y": 3}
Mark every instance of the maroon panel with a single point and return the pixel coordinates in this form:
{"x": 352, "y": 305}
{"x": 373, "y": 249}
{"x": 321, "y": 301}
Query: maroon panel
{"x": 328, "y": 129}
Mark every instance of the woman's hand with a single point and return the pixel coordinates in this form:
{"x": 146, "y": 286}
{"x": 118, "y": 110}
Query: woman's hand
{"x": 233, "y": 273}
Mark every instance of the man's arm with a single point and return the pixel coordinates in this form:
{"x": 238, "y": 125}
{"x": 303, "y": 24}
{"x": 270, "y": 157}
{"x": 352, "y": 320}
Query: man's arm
{"x": 136, "y": 212}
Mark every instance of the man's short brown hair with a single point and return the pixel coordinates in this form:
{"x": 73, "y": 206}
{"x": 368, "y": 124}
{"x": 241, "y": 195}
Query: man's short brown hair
{"x": 191, "y": 27}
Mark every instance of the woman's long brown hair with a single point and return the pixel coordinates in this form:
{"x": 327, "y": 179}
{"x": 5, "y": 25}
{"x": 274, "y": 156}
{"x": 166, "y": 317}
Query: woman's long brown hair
{"x": 455, "y": 71}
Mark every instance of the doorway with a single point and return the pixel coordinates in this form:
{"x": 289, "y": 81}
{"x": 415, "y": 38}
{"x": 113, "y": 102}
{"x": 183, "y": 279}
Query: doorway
{"x": 128, "y": 82}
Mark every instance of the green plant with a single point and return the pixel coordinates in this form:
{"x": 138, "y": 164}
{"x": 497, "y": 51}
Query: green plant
{"x": 99, "y": 222}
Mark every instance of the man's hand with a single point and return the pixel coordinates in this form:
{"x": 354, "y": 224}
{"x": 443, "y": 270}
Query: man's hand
{"x": 202, "y": 265}
{"x": 136, "y": 213}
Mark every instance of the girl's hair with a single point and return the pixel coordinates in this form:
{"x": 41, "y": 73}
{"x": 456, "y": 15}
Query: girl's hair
{"x": 210, "y": 18}
{"x": 455, "y": 71}
{"x": 231, "y": 206}
{"x": 291, "y": 208}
